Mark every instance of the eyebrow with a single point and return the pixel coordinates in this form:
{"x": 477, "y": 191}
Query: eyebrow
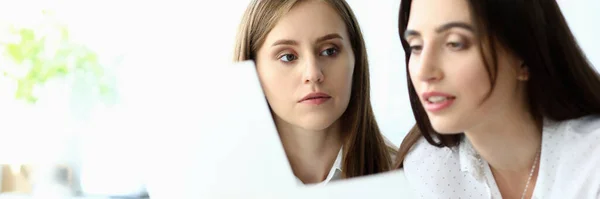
{"x": 442, "y": 28}
{"x": 319, "y": 40}
{"x": 329, "y": 37}
{"x": 285, "y": 42}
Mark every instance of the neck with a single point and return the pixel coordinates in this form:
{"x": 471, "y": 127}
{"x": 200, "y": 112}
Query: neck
{"x": 509, "y": 143}
{"x": 311, "y": 153}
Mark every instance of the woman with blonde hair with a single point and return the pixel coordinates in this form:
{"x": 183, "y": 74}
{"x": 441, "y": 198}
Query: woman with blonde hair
{"x": 311, "y": 60}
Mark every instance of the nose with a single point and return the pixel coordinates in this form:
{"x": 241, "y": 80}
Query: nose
{"x": 428, "y": 67}
{"x": 313, "y": 71}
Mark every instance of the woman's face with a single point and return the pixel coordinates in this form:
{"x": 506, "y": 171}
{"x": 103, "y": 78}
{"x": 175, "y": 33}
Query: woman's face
{"x": 449, "y": 73}
{"x": 306, "y": 65}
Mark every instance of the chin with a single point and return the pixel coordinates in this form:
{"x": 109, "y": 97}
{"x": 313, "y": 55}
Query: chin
{"x": 315, "y": 124}
{"x": 446, "y": 127}
{"x": 315, "y": 121}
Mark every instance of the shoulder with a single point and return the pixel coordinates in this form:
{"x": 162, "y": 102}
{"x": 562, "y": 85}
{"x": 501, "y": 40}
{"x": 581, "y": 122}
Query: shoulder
{"x": 581, "y": 135}
{"x": 577, "y": 139}
{"x": 572, "y": 148}
{"x": 436, "y": 172}
{"x": 588, "y": 126}
{"x": 425, "y": 159}
{"x": 424, "y": 152}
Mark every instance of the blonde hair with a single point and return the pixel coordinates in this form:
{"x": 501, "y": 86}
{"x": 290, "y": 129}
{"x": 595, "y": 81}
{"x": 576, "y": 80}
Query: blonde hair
{"x": 365, "y": 150}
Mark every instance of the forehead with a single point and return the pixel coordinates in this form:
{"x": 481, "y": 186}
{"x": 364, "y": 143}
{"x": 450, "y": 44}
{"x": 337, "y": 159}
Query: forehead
{"x": 308, "y": 20}
{"x": 426, "y": 15}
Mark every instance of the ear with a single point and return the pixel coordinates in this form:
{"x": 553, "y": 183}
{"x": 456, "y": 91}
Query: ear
{"x": 523, "y": 72}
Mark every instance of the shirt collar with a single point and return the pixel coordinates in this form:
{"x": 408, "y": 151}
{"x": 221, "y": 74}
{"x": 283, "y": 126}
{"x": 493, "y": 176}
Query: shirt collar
{"x": 335, "y": 173}
{"x": 337, "y": 165}
{"x": 470, "y": 161}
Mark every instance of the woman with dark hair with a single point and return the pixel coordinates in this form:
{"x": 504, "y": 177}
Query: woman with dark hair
{"x": 505, "y": 101}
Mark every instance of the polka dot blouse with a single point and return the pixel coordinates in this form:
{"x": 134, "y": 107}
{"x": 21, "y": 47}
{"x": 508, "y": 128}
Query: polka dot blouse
{"x": 569, "y": 166}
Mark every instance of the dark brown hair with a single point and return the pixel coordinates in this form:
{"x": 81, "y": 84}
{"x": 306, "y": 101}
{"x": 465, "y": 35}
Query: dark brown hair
{"x": 562, "y": 85}
{"x": 365, "y": 151}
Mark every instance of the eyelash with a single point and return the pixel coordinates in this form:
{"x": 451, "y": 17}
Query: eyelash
{"x": 457, "y": 46}
{"x": 294, "y": 57}
{"x": 286, "y": 55}
{"x": 415, "y": 48}
{"x": 334, "y": 49}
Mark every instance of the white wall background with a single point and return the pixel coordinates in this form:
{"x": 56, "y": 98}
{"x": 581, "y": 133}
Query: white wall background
{"x": 205, "y": 31}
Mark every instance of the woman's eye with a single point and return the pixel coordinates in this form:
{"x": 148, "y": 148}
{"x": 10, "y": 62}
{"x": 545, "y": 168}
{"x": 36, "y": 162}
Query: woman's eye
{"x": 416, "y": 49}
{"x": 456, "y": 45}
{"x": 329, "y": 52}
{"x": 288, "y": 57}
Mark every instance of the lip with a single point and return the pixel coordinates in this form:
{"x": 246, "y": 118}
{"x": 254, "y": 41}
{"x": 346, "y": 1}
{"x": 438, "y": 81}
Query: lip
{"x": 436, "y": 107}
{"x": 315, "y": 98}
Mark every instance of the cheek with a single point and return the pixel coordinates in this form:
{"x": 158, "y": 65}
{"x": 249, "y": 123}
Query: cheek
{"x": 506, "y": 93}
{"x": 472, "y": 80}
{"x": 273, "y": 83}
{"x": 346, "y": 67}
{"x": 339, "y": 77}
{"x": 411, "y": 69}
{"x": 349, "y": 72}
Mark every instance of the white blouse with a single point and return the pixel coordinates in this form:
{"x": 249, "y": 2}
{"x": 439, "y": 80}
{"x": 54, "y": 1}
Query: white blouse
{"x": 569, "y": 166}
{"x": 335, "y": 173}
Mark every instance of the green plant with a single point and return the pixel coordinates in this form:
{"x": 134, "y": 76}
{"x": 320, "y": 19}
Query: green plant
{"x": 46, "y": 52}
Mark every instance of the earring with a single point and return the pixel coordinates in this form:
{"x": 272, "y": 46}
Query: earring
{"x": 524, "y": 76}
